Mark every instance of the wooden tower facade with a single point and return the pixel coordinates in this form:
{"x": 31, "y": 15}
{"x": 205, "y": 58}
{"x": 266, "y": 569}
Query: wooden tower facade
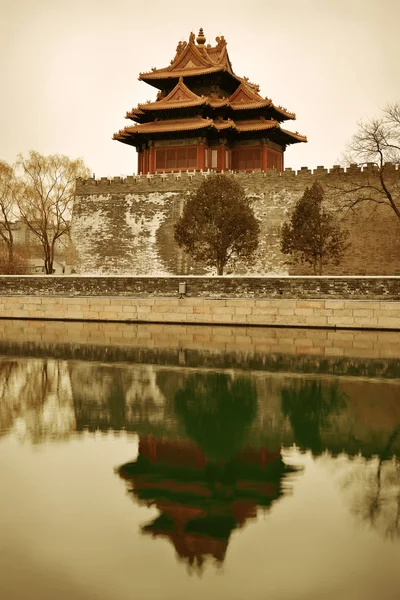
{"x": 205, "y": 117}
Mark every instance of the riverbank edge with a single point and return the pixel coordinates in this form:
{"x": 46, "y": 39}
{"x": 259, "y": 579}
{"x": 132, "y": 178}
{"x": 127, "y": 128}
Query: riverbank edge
{"x": 318, "y": 313}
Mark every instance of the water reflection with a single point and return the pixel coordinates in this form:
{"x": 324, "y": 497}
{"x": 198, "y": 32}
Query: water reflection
{"x": 36, "y": 399}
{"x": 202, "y": 501}
{"x": 210, "y": 442}
{"x": 374, "y": 490}
{"x": 212, "y": 483}
{"x": 221, "y": 411}
{"x": 310, "y": 407}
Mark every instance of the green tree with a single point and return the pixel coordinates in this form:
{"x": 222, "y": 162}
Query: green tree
{"x": 313, "y": 234}
{"x": 218, "y": 223}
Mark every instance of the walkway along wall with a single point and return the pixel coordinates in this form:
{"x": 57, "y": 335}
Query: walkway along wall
{"x": 327, "y": 302}
{"x": 126, "y": 226}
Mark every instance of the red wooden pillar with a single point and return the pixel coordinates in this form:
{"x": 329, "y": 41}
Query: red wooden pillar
{"x": 282, "y": 161}
{"x": 139, "y": 162}
{"x": 145, "y": 161}
{"x": 201, "y": 157}
{"x": 263, "y": 157}
{"x": 152, "y": 159}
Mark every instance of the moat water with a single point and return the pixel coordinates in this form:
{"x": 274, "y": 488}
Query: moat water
{"x": 170, "y": 463}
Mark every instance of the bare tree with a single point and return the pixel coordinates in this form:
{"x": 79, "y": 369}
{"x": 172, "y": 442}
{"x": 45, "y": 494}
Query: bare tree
{"x": 376, "y": 148}
{"x": 375, "y": 490}
{"x": 45, "y": 205}
{"x": 8, "y": 186}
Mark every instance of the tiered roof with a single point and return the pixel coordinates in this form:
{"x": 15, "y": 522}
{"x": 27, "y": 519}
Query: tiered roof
{"x": 191, "y": 60}
{"x": 181, "y": 109}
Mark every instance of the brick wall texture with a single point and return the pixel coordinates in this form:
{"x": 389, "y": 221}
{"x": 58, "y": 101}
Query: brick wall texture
{"x": 126, "y": 226}
{"x": 291, "y": 288}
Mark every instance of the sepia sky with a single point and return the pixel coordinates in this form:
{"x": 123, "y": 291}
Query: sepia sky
{"x": 69, "y": 68}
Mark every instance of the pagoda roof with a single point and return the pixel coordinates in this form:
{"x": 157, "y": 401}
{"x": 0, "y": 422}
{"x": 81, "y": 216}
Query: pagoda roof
{"x": 128, "y": 134}
{"x": 245, "y": 97}
{"x": 165, "y": 126}
{"x": 180, "y": 97}
{"x": 194, "y": 59}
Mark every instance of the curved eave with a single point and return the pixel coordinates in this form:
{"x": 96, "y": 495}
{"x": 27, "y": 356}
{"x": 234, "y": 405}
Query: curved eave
{"x": 175, "y": 74}
{"x": 250, "y": 105}
{"x": 244, "y": 127}
{"x": 155, "y": 106}
{"x": 227, "y": 124}
{"x": 292, "y": 138}
{"x": 136, "y": 131}
{"x": 158, "y": 79}
{"x": 134, "y": 114}
{"x": 283, "y": 112}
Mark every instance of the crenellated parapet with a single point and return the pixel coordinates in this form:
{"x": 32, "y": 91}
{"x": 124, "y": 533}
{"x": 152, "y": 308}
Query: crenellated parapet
{"x": 191, "y": 179}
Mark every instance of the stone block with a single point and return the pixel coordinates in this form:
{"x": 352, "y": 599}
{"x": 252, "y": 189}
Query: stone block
{"x": 286, "y": 311}
{"x": 388, "y": 323}
{"x": 363, "y": 312}
{"x": 340, "y": 321}
{"x": 334, "y": 351}
{"x": 243, "y": 310}
{"x": 222, "y": 318}
{"x": 304, "y": 311}
{"x": 316, "y": 321}
{"x": 334, "y": 304}
{"x": 223, "y": 310}
{"x": 265, "y": 311}
{"x": 307, "y": 304}
{"x": 361, "y": 304}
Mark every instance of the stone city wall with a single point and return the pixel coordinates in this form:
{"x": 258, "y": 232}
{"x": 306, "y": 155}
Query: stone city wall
{"x": 126, "y": 225}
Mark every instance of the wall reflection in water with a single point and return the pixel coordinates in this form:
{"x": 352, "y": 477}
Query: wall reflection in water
{"x": 210, "y": 441}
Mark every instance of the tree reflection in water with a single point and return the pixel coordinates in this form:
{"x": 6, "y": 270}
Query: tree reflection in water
{"x": 36, "y": 399}
{"x": 310, "y": 405}
{"x": 217, "y": 411}
{"x": 209, "y": 485}
{"x": 374, "y": 489}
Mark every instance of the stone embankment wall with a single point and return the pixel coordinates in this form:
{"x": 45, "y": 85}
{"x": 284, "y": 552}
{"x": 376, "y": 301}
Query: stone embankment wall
{"x": 126, "y": 226}
{"x": 323, "y": 351}
{"x": 330, "y": 302}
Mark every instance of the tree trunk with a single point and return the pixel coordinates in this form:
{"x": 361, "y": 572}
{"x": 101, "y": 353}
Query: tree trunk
{"x": 220, "y": 269}
{"x": 10, "y": 252}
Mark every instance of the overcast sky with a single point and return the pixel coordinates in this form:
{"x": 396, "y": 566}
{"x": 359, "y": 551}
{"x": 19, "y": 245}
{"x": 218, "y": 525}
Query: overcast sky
{"x": 69, "y": 68}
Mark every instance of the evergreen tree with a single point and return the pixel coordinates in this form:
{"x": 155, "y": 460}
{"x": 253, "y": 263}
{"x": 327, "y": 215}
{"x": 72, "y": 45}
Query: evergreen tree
{"x": 218, "y": 223}
{"x": 313, "y": 235}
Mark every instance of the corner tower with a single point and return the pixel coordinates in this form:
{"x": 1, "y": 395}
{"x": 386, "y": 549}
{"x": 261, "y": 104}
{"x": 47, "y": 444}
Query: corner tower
{"x": 206, "y": 117}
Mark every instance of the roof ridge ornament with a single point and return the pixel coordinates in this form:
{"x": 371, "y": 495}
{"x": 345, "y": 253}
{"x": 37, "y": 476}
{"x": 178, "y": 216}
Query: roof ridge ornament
{"x": 201, "y": 38}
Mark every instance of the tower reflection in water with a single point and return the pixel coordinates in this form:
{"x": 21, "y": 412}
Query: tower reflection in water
{"x": 212, "y": 482}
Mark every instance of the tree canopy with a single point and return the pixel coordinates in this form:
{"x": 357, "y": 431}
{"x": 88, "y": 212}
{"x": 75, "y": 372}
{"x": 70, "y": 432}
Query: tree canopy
{"x": 313, "y": 235}
{"x": 218, "y": 224}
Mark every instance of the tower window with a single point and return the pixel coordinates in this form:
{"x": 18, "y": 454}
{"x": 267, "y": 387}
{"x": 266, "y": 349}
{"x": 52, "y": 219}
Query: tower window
{"x": 176, "y": 159}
